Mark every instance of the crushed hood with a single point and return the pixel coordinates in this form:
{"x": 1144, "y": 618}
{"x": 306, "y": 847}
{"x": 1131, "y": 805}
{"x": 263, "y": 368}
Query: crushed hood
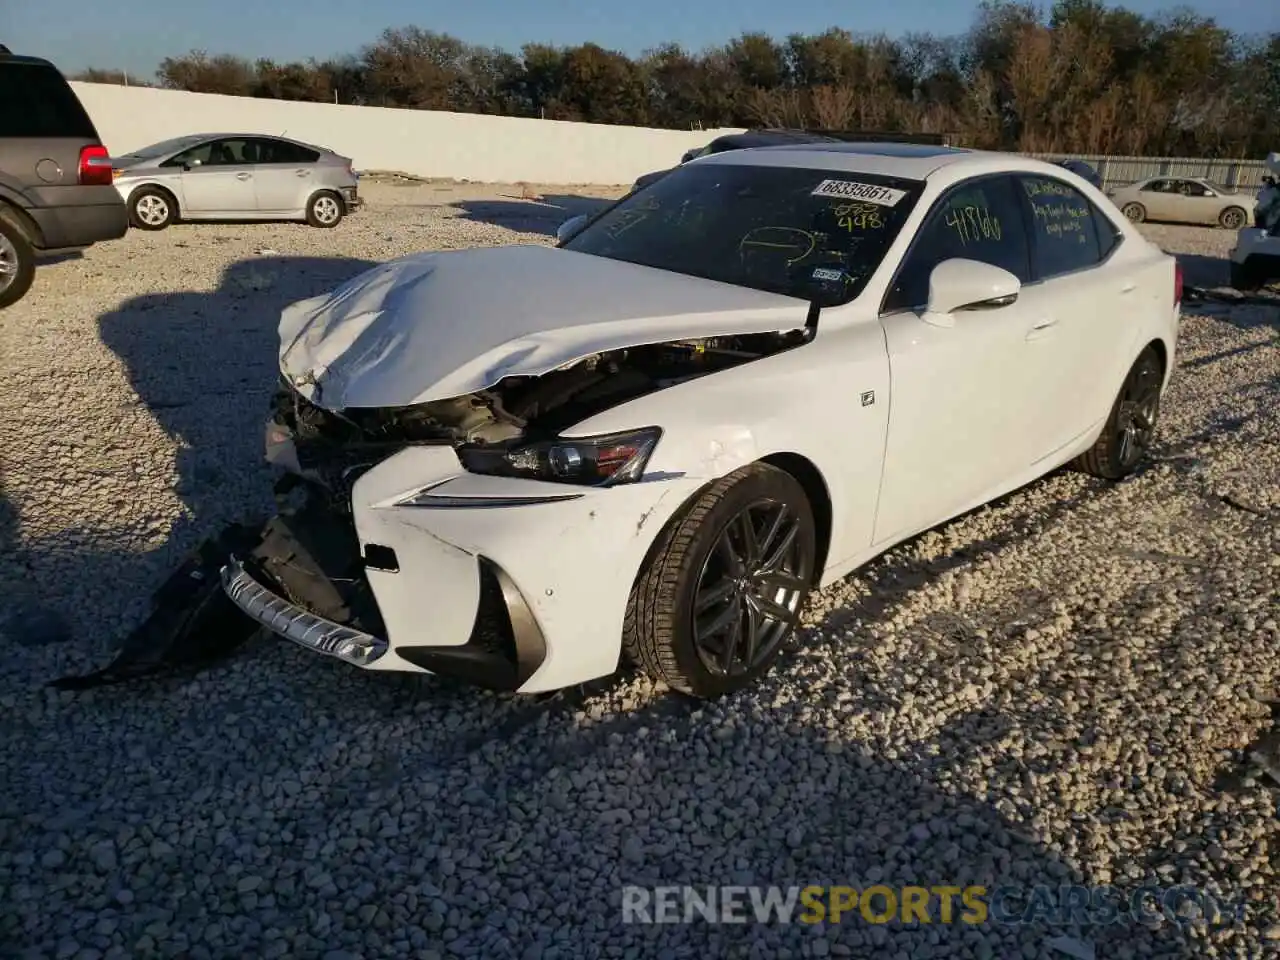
{"x": 438, "y": 325}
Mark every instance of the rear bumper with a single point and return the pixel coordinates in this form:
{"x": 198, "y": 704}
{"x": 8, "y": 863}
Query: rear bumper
{"x": 81, "y": 225}
{"x": 351, "y": 198}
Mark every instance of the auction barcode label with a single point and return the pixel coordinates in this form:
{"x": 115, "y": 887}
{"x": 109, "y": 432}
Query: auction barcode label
{"x": 852, "y": 190}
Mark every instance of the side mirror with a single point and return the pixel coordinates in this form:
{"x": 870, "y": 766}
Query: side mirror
{"x": 567, "y": 230}
{"x": 960, "y": 284}
{"x": 191, "y": 164}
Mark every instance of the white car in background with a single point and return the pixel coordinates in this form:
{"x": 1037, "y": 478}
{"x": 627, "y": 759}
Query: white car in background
{"x": 520, "y": 465}
{"x": 235, "y": 176}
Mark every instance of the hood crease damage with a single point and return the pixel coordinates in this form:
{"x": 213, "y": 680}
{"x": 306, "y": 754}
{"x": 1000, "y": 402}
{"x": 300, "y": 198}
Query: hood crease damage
{"x": 496, "y": 346}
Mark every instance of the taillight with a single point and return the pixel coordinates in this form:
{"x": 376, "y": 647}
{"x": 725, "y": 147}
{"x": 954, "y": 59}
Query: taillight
{"x": 1177, "y": 282}
{"x": 95, "y": 166}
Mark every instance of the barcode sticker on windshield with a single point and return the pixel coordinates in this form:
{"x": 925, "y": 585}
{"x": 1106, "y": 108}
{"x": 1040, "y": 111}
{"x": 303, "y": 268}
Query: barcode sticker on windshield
{"x": 852, "y": 190}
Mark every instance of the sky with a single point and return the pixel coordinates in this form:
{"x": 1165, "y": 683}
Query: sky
{"x": 135, "y": 35}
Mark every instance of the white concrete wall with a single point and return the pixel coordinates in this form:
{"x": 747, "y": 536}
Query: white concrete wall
{"x": 420, "y": 142}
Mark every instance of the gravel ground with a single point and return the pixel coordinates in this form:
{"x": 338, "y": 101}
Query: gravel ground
{"x": 1057, "y": 688}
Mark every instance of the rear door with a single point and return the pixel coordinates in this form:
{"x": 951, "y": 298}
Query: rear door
{"x": 43, "y": 129}
{"x": 284, "y": 175}
{"x": 1154, "y": 196}
{"x": 1086, "y": 300}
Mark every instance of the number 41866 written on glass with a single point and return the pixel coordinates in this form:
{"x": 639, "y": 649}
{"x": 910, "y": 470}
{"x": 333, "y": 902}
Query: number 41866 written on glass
{"x": 973, "y": 224}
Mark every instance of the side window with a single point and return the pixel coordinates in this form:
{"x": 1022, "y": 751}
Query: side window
{"x": 279, "y": 151}
{"x": 1064, "y": 228}
{"x": 979, "y": 220}
{"x": 1108, "y": 234}
{"x": 1156, "y": 186}
{"x": 200, "y": 152}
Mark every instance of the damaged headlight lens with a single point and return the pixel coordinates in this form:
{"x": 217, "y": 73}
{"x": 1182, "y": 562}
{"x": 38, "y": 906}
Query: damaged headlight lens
{"x": 598, "y": 461}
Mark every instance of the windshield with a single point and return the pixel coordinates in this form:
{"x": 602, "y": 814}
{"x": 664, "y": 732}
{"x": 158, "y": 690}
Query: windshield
{"x": 813, "y": 234}
{"x": 163, "y": 147}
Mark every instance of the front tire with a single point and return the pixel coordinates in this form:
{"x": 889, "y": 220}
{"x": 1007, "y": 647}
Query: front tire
{"x": 1232, "y": 218}
{"x": 17, "y": 261}
{"x": 1129, "y": 430}
{"x": 324, "y": 210}
{"x": 1135, "y": 212}
{"x": 151, "y": 208}
{"x": 722, "y": 590}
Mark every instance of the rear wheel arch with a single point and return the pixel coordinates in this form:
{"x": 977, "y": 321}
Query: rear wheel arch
{"x": 23, "y": 221}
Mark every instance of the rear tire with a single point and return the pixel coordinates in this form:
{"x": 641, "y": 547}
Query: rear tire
{"x": 1135, "y": 212}
{"x": 1129, "y": 429}
{"x": 17, "y": 261}
{"x": 151, "y": 208}
{"x": 1232, "y": 218}
{"x": 325, "y": 210}
{"x": 724, "y": 583}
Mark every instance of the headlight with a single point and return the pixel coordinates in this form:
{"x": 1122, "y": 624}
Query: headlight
{"x": 596, "y": 461}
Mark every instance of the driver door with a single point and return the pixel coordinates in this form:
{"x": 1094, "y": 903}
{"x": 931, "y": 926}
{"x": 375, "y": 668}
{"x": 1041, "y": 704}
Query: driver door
{"x": 222, "y": 183}
{"x": 962, "y": 418}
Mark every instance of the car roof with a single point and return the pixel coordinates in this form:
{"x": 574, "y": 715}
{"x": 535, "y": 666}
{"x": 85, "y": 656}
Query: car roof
{"x": 255, "y": 136}
{"x": 23, "y": 60}
{"x": 910, "y": 161}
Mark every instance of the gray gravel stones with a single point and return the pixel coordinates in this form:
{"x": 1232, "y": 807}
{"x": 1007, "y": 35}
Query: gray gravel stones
{"x": 1045, "y": 691}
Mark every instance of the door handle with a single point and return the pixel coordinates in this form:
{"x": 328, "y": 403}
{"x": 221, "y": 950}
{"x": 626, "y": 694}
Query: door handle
{"x": 243, "y": 176}
{"x": 1129, "y": 287}
{"x": 302, "y": 173}
{"x": 1041, "y": 327}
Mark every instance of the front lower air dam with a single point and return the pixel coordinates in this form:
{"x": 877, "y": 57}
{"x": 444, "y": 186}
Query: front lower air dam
{"x": 192, "y": 622}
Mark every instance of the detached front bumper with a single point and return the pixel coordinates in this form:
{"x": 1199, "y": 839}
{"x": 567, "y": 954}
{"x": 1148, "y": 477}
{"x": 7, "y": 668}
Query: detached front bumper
{"x": 296, "y": 623}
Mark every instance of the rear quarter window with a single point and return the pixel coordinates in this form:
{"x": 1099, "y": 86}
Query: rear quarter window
{"x": 37, "y": 102}
{"x": 1064, "y": 227}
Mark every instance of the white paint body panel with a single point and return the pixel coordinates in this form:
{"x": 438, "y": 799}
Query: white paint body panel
{"x": 908, "y": 423}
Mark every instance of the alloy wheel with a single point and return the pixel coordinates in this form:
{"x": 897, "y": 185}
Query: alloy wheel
{"x": 152, "y": 209}
{"x": 1136, "y": 416}
{"x": 326, "y": 209}
{"x": 8, "y": 263}
{"x": 747, "y": 600}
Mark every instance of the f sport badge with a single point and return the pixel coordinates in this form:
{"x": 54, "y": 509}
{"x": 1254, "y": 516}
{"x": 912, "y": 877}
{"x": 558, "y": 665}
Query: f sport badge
{"x": 868, "y": 398}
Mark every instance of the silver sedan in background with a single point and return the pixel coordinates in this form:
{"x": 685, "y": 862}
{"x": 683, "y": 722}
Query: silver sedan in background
{"x": 235, "y": 176}
{"x": 1184, "y": 200}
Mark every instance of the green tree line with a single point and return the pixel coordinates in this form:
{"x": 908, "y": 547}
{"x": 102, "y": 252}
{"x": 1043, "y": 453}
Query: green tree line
{"x": 1079, "y": 77}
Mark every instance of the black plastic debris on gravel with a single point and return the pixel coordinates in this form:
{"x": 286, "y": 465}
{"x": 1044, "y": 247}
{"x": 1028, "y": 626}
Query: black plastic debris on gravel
{"x": 1259, "y": 762}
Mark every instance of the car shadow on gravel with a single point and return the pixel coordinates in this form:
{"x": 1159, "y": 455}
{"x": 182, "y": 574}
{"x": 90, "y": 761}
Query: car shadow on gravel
{"x": 531, "y": 216}
{"x": 203, "y": 365}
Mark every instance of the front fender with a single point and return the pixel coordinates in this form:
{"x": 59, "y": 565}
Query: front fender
{"x": 826, "y": 401}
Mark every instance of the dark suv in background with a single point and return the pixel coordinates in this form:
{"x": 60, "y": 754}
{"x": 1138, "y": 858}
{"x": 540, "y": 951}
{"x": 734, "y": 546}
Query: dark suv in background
{"x": 55, "y": 176}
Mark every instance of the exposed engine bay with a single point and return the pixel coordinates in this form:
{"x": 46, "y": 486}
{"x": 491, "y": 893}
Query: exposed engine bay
{"x": 517, "y": 409}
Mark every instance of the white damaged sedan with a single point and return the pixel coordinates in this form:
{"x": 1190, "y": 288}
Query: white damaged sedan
{"x": 523, "y": 465}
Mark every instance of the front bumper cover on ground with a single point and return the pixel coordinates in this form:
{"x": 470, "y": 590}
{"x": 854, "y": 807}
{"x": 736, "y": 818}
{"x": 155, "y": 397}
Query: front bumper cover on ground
{"x": 297, "y": 623}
